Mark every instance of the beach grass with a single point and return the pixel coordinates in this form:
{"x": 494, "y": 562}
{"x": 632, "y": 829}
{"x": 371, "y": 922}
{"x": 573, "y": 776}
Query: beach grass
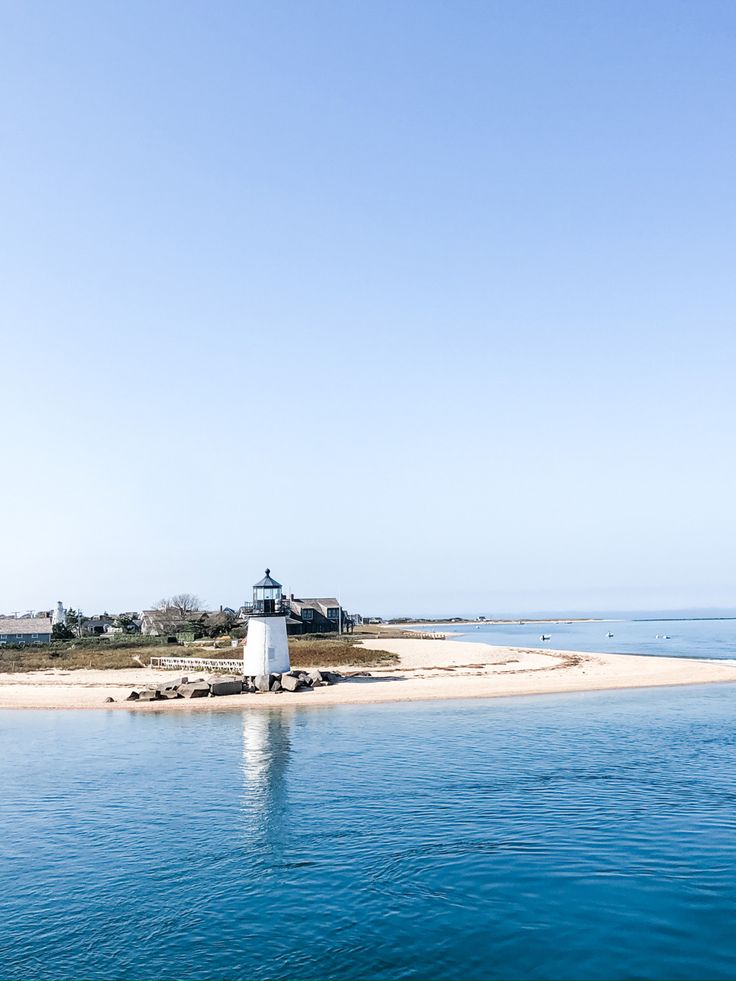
{"x": 113, "y": 653}
{"x": 331, "y": 651}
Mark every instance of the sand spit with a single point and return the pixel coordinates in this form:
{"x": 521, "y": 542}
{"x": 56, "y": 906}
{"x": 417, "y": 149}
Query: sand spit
{"x": 428, "y": 670}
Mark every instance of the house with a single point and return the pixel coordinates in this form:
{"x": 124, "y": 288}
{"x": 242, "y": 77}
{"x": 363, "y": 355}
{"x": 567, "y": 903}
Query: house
{"x": 321, "y": 615}
{"x": 97, "y": 626}
{"x": 174, "y": 625}
{"x": 25, "y": 630}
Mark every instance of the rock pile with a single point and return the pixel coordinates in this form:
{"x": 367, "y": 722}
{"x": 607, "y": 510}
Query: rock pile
{"x": 233, "y": 685}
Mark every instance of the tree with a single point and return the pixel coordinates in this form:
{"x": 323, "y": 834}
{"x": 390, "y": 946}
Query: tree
{"x": 60, "y": 631}
{"x": 217, "y": 624}
{"x": 74, "y": 621}
{"x": 181, "y": 603}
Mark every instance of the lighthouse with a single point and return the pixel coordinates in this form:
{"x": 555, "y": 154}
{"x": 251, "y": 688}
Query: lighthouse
{"x": 267, "y": 649}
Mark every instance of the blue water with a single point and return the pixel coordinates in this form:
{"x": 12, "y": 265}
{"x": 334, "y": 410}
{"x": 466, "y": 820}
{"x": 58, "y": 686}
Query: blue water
{"x": 685, "y": 638}
{"x": 575, "y": 836}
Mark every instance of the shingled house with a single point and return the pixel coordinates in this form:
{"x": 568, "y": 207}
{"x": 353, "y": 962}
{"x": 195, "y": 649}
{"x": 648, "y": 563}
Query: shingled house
{"x": 320, "y": 615}
{"x": 173, "y": 625}
{"x": 25, "y": 630}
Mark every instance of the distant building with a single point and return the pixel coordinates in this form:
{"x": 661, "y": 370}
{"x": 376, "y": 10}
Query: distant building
{"x": 25, "y": 630}
{"x": 174, "y": 625}
{"x": 320, "y": 615}
{"x": 96, "y": 626}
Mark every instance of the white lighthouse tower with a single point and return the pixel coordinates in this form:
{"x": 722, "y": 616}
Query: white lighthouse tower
{"x": 267, "y": 649}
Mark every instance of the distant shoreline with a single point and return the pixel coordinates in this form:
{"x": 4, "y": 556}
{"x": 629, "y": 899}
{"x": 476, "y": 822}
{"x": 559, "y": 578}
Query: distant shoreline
{"x": 410, "y": 624}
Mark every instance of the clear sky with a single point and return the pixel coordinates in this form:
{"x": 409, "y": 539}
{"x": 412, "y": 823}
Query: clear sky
{"x": 428, "y": 303}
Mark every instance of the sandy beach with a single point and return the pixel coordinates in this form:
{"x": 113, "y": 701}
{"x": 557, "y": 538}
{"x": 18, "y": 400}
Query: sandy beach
{"x": 427, "y": 670}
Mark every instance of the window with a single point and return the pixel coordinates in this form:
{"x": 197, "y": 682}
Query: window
{"x": 35, "y": 636}
{"x": 333, "y": 612}
{"x": 307, "y": 614}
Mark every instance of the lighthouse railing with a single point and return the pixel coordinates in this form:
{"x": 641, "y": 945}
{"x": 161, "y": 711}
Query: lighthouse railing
{"x": 256, "y": 609}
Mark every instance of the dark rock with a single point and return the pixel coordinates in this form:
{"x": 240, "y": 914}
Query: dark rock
{"x": 133, "y": 697}
{"x": 149, "y": 695}
{"x": 194, "y": 689}
{"x": 276, "y": 684}
{"x": 108, "y": 699}
{"x": 167, "y": 695}
{"x": 262, "y": 682}
{"x": 226, "y": 686}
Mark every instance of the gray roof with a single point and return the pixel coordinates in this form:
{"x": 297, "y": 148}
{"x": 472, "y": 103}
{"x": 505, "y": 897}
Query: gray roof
{"x": 25, "y": 625}
{"x": 268, "y": 582}
{"x": 320, "y": 603}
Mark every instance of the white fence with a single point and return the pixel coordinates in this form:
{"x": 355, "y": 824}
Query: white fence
{"x": 233, "y": 665}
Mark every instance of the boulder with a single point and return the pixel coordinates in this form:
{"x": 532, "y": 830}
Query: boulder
{"x": 133, "y": 697}
{"x": 226, "y": 686}
{"x": 291, "y": 682}
{"x": 314, "y": 678}
{"x": 276, "y": 684}
{"x": 164, "y": 687}
{"x": 194, "y": 689}
{"x": 109, "y": 699}
{"x": 331, "y": 677}
{"x": 149, "y": 695}
{"x": 262, "y": 682}
{"x": 166, "y": 695}
{"x": 171, "y": 685}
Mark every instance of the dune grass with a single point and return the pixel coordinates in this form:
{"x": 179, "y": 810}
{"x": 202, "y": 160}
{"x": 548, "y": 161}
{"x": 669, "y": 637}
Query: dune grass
{"x": 316, "y": 651}
{"x": 334, "y": 652}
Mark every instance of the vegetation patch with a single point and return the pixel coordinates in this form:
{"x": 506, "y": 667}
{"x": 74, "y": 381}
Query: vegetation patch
{"x": 118, "y": 652}
{"x": 330, "y": 651}
{"x": 92, "y": 653}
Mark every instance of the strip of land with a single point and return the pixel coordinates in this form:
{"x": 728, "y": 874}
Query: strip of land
{"x": 426, "y": 670}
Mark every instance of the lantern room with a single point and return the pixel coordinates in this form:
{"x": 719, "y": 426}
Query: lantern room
{"x": 267, "y": 596}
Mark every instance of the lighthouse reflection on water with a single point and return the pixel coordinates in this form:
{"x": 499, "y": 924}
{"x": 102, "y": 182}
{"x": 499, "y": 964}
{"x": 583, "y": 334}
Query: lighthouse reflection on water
{"x": 266, "y": 759}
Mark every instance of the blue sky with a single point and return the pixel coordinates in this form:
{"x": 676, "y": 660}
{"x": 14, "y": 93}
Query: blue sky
{"x": 430, "y": 304}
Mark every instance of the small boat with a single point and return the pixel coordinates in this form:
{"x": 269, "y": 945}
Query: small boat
{"x": 545, "y": 637}
{"x": 609, "y": 634}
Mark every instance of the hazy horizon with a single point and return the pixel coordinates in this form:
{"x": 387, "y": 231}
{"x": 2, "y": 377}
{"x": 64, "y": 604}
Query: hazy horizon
{"x": 427, "y": 306}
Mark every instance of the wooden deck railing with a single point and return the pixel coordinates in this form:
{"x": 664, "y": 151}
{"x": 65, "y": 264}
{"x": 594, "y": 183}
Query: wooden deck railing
{"x": 232, "y": 665}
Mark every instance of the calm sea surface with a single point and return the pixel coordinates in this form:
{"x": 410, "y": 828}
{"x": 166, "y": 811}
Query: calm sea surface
{"x": 575, "y": 836}
{"x": 672, "y": 638}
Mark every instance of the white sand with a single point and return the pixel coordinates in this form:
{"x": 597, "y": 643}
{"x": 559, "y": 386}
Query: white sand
{"x": 428, "y": 669}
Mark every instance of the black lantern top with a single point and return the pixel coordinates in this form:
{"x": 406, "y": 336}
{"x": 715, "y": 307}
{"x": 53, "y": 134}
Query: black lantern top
{"x": 267, "y": 595}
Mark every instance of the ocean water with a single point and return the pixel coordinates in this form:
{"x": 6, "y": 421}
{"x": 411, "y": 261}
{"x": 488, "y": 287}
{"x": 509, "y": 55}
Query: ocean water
{"x": 671, "y": 638}
{"x": 575, "y": 836}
